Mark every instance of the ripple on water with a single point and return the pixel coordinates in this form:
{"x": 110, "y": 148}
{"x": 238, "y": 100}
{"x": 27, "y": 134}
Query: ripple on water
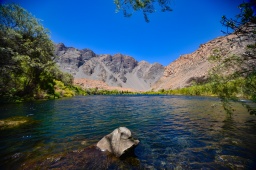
{"x": 175, "y": 132}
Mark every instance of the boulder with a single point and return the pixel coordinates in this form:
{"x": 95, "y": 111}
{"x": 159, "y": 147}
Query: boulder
{"x": 118, "y": 142}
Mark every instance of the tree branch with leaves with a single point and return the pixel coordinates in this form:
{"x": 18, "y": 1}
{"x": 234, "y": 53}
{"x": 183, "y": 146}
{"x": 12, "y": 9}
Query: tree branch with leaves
{"x": 146, "y": 6}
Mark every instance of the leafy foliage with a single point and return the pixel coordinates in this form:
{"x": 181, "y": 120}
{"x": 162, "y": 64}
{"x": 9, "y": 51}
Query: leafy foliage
{"x": 96, "y": 91}
{"x": 231, "y": 88}
{"x": 27, "y": 67}
{"x": 230, "y": 69}
{"x": 235, "y": 75}
{"x": 62, "y": 91}
{"x": 146, "y": 6}
{"x": 246, "y": 16}
{"x": 234, "y": 67}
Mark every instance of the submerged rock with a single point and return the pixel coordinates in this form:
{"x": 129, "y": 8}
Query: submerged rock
{"x": 88, "y": 158}
{"x": 13, "y": 122}
{"x": 118, "y": 142}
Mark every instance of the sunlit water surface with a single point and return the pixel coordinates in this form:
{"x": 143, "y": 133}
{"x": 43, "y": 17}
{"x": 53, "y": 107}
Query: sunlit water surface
{"x": 175, "y": 132}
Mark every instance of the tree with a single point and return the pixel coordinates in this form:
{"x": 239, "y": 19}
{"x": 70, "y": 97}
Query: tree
{"x": 26, "y": 53}
{"x": 146, "y": 6}
{"x": 236, "y": 74}
{"x": 243, "y": 23}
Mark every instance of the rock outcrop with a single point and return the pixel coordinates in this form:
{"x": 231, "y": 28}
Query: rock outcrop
{"x": 70, "y": 59}
{"x": 195, "y": 66}
{"x": 117, "y": 70}
{"x": 118, "y": 142}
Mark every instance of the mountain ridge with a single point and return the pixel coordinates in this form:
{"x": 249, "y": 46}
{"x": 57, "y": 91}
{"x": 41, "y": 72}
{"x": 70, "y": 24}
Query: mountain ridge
{"x": 118, "y": 70}
{"x": 123, "y": 71}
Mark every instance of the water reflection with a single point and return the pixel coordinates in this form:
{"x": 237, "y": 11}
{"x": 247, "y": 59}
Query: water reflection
{"x": 174, "y": 132}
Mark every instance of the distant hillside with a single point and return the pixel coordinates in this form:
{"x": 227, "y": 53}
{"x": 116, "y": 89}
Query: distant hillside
{"x": 118, "y": 70}
{"x": 195, "y": 66}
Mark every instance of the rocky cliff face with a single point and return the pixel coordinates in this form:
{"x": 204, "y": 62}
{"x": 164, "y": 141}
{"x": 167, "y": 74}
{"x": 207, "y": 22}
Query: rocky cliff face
{"x": 118, "y": 70}
{"x": 70, "y": 59}
{"x": 195, "y": 66}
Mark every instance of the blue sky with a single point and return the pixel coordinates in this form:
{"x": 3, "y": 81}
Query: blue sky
{"x": 94, "y": 24}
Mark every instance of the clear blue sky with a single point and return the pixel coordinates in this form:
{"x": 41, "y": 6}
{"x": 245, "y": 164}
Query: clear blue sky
{"x": 94, "y": 24}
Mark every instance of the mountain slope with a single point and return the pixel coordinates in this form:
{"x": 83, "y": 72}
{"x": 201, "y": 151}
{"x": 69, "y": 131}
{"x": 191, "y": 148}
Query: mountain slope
{"x": 195, "y": 66}
{"x": 118, "y": 70}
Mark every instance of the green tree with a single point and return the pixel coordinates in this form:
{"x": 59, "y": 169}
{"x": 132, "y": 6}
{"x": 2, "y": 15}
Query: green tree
{"x": 146, "y": 6}
{"x": 244, "y": 22}
{"x": 236, "y": 74}
{"x": 243, "y": 25}
{"x": 26, "y": 53}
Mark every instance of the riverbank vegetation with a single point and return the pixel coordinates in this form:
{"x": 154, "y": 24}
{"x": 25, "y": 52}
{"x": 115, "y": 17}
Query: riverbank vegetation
{"x": 233, "y": 89}
{"x": 27, "y": 67}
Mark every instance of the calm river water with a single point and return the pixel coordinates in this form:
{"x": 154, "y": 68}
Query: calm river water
{"x": 175, "y": 132}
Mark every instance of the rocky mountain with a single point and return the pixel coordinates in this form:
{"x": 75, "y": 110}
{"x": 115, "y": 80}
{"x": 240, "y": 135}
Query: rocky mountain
{"x": 117, "y": 70}
{"x": 195, "y": 66}
{"x": 125, "y": 72}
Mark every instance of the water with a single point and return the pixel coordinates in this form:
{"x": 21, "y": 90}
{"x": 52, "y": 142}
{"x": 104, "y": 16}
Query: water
{"x": 175, "y": 132}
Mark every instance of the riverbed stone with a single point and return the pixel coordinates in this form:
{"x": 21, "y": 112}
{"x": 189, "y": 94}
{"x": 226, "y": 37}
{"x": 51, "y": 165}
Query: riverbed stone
{"x": 118, "y": 142}
{"x": 13, "y": 122}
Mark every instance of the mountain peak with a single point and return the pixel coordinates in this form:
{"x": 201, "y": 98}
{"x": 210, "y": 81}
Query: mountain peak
{"x": 118, "y": 70}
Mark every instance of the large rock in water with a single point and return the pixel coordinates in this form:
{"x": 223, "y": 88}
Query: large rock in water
{"x": 118, "y": 142}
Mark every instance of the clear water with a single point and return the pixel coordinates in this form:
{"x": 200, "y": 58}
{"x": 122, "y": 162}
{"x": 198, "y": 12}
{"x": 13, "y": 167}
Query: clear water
{"x": 175, "y": 132}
